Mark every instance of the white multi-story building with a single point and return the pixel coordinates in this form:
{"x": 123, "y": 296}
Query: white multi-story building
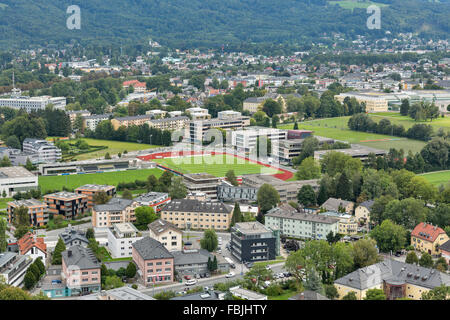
{"x": 121, "y": 237}
{"x": 91, "y": 122}
{"x": 46, "y": 150}
{"x": 33, "y": 103}
{"x": 246, "y": 139}
{"x": 16, "y": 179}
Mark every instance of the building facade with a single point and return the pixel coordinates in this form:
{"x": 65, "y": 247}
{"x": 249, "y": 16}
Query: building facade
{"x": 46, "y": 150}
{"x": 36, "y": 210}
{"x": 17, "y": 179}
{"x": 117, "y": 210}
{"x": 66, "y": 204}
{"x": 91, "y": 190}
{"x": 428, "y": 238}
{"x": 167, "y": 233}
{"x": 121, "y": 237}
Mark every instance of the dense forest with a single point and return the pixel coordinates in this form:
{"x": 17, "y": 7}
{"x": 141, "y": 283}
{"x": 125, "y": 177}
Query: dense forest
{"x": 212, "y": 23}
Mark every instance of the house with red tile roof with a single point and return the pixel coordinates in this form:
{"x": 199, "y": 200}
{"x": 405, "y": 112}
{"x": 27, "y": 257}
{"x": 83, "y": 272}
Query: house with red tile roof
{"x": 33, "y": 246}
{"x": 428, "y": 238}
{"x": 137, "y": 85}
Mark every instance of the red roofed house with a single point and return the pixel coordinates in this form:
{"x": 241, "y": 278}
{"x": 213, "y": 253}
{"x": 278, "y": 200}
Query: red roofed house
{"x": 33, "y": 246}
{"x": 137, "y": 85}
{"x": 427, "y": 238}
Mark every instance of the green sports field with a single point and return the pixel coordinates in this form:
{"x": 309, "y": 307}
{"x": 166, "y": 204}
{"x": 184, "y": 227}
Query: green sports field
{"x": 336, "y": 128}
{"x": 112, "y": 178}
{"x": 216, "y": 165}
{"x": 437, "y": 178}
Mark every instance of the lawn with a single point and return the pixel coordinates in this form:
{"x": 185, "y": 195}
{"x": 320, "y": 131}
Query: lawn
{"x": 336, "y": 128}
{"x": 437, "y": 178}
{"x": 216, "y": 165}
{"x": 408, "y": 122}
{"x": 112, "y": 178}
{"x": 286, "y": 295}
{"x": 4, "y": 202}
{"x": 352, "y": 4}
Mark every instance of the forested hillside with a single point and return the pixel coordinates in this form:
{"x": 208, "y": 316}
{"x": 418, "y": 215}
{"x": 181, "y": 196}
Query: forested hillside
{"x": 211, "y": 23}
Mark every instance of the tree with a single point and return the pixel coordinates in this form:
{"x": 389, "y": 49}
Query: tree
{"x": 237, "y": 215}
{"x": 426, "y": 260}
{"x": 309, "y": 145}
{"x": 127, "y": 194}
{"x": 350, "y": 296}
{"x": 438, "y": 293}
{"x": 35, "y": 270}
{"x": 295, "y": 264}
{"x": 152, "y": 182}
{"x": 375, "y": 294}
{"x": 165, "y": 180}
{"x": 59, "y": 248}
{"x": 38, "y": 262}
{"x": 144, "y": 216}
{"x": 267, "y": 198}
{"x": 29, "y": 280}
{"x": 21, "y": 221}
{"x": 344, "y": 187}
{"x": 214, "y": 264}
{"x": 101, "y": 197}
{"x": 313, "y": 282}
{"x": 331, "y": 292}
{"x": 209, "y": 240}
{"x": 231, "y": 177}
{"x": 258, "y": 274}
{"x": 309, "y": 169}
{"x": 306, "y": 196}
{"x": 404, "y": 107}
{"x": 364, "y": 253}
{"x": 107, "y": 156}
{"x": 131, "y": 270}
{"x": 272, "y": 107}
{"x": 3, "y": 240}
{"x": 389, "y": 236}
{"x": 13, "y": 142}
{"x": 177, "y": 189}
{"x": 29, "y": 165}
{"x": 441, "y": 264}
{"x": 411, "y": 258}
{"x": 90, "y": 233}
{"x": 112, "y": 282}
{"x": 407, "y": 212}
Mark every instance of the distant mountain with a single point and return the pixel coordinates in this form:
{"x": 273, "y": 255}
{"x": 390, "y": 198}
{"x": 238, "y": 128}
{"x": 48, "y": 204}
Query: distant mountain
{"x": 211, "y": 23}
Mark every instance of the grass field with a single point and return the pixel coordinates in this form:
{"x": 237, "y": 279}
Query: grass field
{"x": 437, "y": 178}
{"x": 4, "y": 202}
{"x": 112, "y": 178}
{"x": 408, "y": 122}
{"x": 217, "y": 165}
{"x": 337, "y": 128}
{"x": 352, "y": 4}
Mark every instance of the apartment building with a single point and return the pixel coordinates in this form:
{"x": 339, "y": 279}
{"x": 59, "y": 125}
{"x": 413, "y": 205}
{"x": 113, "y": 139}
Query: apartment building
{"x": 18, "y": 157}
{"x": 198, "y": 129}
{"x": 13, "y": 267}
{"x": 198, "y": 114}
{"x": 156, "y": 200}
{"x": 91, "y": 190}
{"x": 362, "y": 212}
{"x": 428, "y": 238}
{"x": 156, "y": 113}
{"x": 80, "y": 271}
{"x": 137, "y": 85}
{"x": 194, "y": 214}
{"x": 33, "y": 246}
{"x": 37, "y": 211}
{"x": 252, "y": 241}
{"x": 73, "y": 114}
{"x": 46, "y": 150}
{"x": 130, "y": 121}
{"x": 167, "y": 233}
{"x": 154, "y": 261}
{"x": 303, "y": 225}
{"x": 176, "y": 123}
{"x": 374, "y": 101}
{"x": 91, "y": 122}
{"x": 229, "y": 193}
{"x": 117, "y": 210}
{"x": 245, "y": 140}
{"x": 348, "y": 225}
{"x": 16, "y": 179}
{"x": 397, "y": 280}
{"x": 67, "y": 204}
{"x": 202, "y": 183}
{"x": 121, "y": 237}
{"x": 31, "y": 104}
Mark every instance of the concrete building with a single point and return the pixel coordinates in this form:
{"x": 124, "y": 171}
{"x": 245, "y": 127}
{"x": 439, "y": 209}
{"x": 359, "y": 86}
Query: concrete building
{"x": 167, "y": 233}
{"x": 347, "y": 223}
{"x": 362, "y": 212}
{"x": 80, "y": 271}
{"x": 192, "y": 262}
{"x": 300, "y": 225}
{"x": 121, "y": 293}
{"x": 198, "y": 129}
{"x": 18, "y": 157}
{"x": 246, "y": 294}
{"x": 67, "y": 204}
{"x": 154, "y": 262}
{"x": 194, "y": 214}
{"x": 198, "y": 114}
{"x": 228, "y": 193}
{"x": 46, "y": 150}
{"x": 36, "y": 210}
{"x": 121, "y": 237}
{"x": 245, "y": 140}
{"x": 356, "y": 151}
{"x": 73, "y": 114}
{"x": 117, "y": 210}
{"x": 130, "y": 121}
{"x": 16, "y": 179}
{"x": 156, "y": 113}
{"x": 374, "y": 101}
{"x": 91, "y": 190}
{"x": 397, "y": 280}
{"x": 31, "y": 104}
{"x": 202, "y": 182}
{"x": 13, "y": 267}
{"x": 156, "y": 200}
{"x": 171, "y": 124}
{"x": 252, "y": 241}
{"x": 88, "y": 166}
{"x": 91, "y": 122}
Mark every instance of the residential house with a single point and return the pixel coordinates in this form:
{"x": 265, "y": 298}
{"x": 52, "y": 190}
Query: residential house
{"x": 445, "y": 251}
{"x": 33, "y": 246}
{"x": 338, "y": 205}
{"x": 36, "y": 210}
{"x": 362, "y": 212}
{"x": 72, "y": 237}
{"x": 428, "y": 238}
{"x": 121, "y": 237}
{"x": 116, "y": 210}
{"x": 166, "y": 233}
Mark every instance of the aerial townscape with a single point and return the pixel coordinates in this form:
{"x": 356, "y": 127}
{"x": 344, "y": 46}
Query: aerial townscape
{"x": 225, "y": 150}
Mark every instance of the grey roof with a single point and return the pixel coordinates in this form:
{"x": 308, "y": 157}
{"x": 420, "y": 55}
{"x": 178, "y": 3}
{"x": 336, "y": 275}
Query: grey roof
{"x": 14, "y": 172}
{"x": 333, "y": 204}
{"x": 151, "y": 196}
{"x": 122, "y": 293}
{"x": 192, "y": 205}
{"x": 71, "y": 234}
{"x": 394, "y": 272}
{"x": 367, "y": 204}
{"x": 149, "y": 249}
{"x": 308, "y": 295}
{"x": 159, "y": 226}
{"x": 114, "y": 204}
{"x": 445, "y": 246}
{"x": 279, "y": 212}
{"x": 252, "y": 227}
{"x": 5, "y": 257}
{"x": 191, "y": 257}
{"x": 81, "y": 257}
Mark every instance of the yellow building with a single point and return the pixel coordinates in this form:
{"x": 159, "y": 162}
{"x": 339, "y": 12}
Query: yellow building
{"x": 362, "y": 212}
{"x": 397, "y": 280}
{"x": 374, "y": 101}
{"x": 427, "y": 238}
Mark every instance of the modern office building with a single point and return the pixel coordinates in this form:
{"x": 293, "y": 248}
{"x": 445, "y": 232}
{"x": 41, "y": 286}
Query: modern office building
{"x": 37, "y": 211}
{"x": 67, "y": 204}
{"x": 91, "y": 190}
{"x": 16, "y": 179}
{"x": 31, "y": 104}
{"x": 46, "y": 150}
{"x": 167, "y": 233}
{"x": 116, "y": 210}
{"x": 198, "y": 129}
{"x": 195, "y": 214}
{"x": 252, "y": 241}
{"x": 18, "y": 157}
{"x": 202, "y": 182}
{"x": 356, "y": 151}
{"x": 121, "y": 237}
{"x": 245, "y": 140}
{"x": 302, "y": 225}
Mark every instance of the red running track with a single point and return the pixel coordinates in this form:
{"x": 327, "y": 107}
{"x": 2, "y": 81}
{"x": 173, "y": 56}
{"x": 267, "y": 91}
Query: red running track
{"x": 285, "y": 175}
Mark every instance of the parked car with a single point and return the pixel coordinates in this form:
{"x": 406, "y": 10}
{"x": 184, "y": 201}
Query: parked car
{"x": 268, "y": 267}
{"x": 191, "y": 282}
{"x": 206, "y": 288}
{"x": 182, "y": 293}
{"x": 230, "y": 275}
{"x": 281, "y": 275}
{"x": 207, "y": 275}
{"x": 188, "y": 243}
{"x": 187, "y": 277}
{"x": 197, "y": 276}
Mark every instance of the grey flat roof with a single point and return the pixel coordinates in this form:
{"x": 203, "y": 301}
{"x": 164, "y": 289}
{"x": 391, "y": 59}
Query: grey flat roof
{"x": 15, "y": 172}
{"x": 253, "y": 227}
{"x": 281, "y": 213}
{"x": 192, "y": 205}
